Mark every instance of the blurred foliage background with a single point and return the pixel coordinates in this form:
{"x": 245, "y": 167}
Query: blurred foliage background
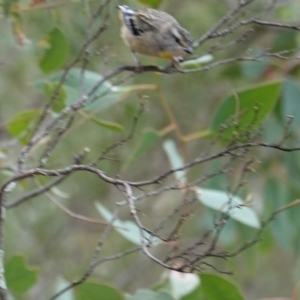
{"x": 61, "y": 246}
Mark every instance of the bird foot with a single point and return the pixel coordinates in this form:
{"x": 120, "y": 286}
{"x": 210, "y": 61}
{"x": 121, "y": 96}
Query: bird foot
{"x": 176, "y": 61}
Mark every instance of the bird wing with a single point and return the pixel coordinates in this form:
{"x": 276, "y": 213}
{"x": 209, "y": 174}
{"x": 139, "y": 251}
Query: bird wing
{"x": 142, "y": 21}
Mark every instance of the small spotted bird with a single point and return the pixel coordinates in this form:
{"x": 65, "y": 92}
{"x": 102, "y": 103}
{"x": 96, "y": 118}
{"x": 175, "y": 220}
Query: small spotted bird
{"x": 155, "y": 33}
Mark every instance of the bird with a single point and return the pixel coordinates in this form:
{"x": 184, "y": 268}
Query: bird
{"x": 154, "y": 33}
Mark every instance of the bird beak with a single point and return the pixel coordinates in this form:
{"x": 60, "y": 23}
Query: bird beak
{"x": 189, "y": 50}
{"x": 122, "y": 8}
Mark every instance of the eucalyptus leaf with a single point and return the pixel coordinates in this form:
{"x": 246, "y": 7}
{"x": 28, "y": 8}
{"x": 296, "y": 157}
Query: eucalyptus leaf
{"x": 291, "y": 101}
{"x": 247, "y": 107}
{"x": 61, "y": 283}
{"x": 182, "y": 284}
{"x": 175, "y": 159}
{"x": 97, "y": 291}
{"x": 216, "y": 288}
{"x": 151, "y": 3}
{"x": 60, "y": 101}
{"x": 224, "y": 202}
{"x": 56, "y": 53}
{"x": 108, "y": 125}
{"x": 147, "y": 141}
{"x": 19, "y": 276}
{"x": 128, "y": 229}
{"x": 80, "y": 82}
{"x": 150, "y": 295}
{"x": 20, "y": 125}
{"x": 191, "y": 64}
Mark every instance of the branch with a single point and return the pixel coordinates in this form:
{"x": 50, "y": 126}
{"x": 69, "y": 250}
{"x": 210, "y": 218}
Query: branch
{"x": 210, "y": 33}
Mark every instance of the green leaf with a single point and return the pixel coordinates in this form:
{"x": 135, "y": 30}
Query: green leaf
{"x": 150, "y": 295}
{"x": 192, "y": 64}
{"x": 18, "y": 275}
{"x": 253, "y": 104}
{"x": 109, "y": 125}
{"x": 151, "y": 3}
{"x": 96, "y": 291}
{"x": 55, "y": 56}
{"x": 286, "y": 41}
{"x": 222, "y": 201}
{"x": 20, "y": 124}
{"x": 147, "y": 141}
{"x": 216, "y": 288}
{"x": 276, "y": 195}
{"x": 60, "y": 101}
{"x": 7, "y": 5}
{"x": 127, "y": 229}
{"x": 21, "y": 121}
{"x": 78, "y": 83}
{"x": 175, "y": 159}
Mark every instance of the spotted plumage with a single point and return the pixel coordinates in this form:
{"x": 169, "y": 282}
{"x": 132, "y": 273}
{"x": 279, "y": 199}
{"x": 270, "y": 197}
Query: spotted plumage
{"x": 154, "y": 33}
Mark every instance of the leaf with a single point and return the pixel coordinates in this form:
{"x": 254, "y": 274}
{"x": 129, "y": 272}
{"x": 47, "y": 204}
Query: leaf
{"x": 216, "y": 288}
{"x": 7, "y": 6}
{"x": 291, "y": 101}
{"x": 60, "y": 101}
{"x": 127, "y": 229}
{"x": 109, "y": 125}
{"x": 223, "y": 202}
{"x": 21, "y": 121}
{"x": 286, "y": 41}
{"x": 196, "y": 63}
{"x": 151, "y": 3}
{"x": 19, "y": 276}
{"x": 291, "y": 163}
{"x": 253, "y": 104}
{"x": 78, "y": 83}
{"x": 147, "y": 141}
{"x": 255, "y": 69}
{"x": 276, "y": 195}
{"x": 175, "y": 159}
{"x": 182, "y": 283}
{"x": 96, "y": 291}
{"x": 179, "y": 284}
{"x": 196, "y": 294}
{"x": 20, "y": 124}
{"x": 150, "y": 295}
{"x": 61, "y": 283}
{"x": 277, "y": 298}
{"x": 55, "y": 56}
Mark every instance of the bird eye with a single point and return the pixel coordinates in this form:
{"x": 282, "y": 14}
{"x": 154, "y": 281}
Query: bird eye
{"x": 177, "y": 40}
{"x": 130, "y": 23}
